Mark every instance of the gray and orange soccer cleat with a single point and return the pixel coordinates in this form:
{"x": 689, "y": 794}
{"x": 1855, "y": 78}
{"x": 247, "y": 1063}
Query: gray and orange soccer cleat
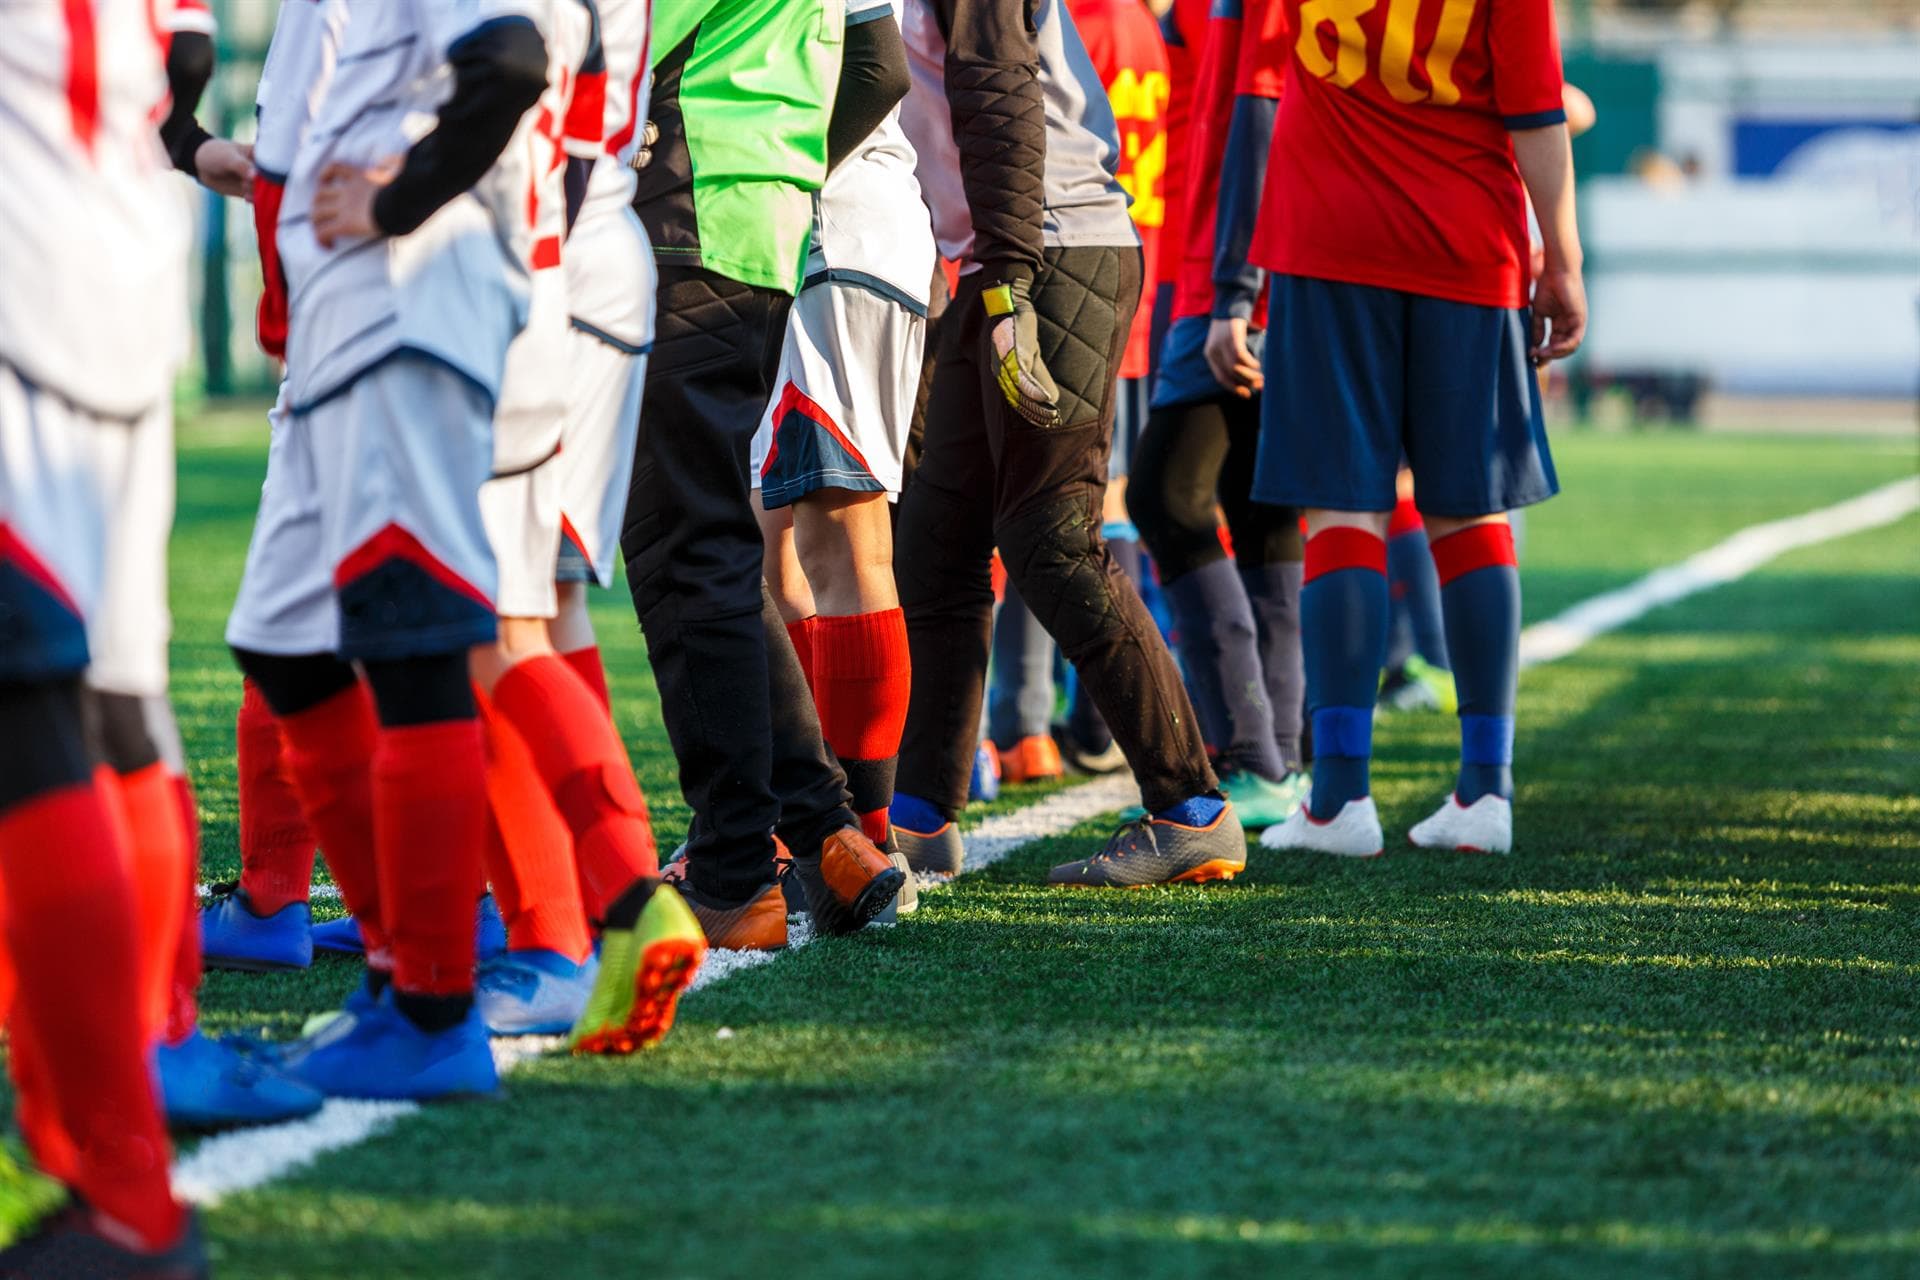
{"x": 1150, "y": 850}
{"x": 849, "y": 883}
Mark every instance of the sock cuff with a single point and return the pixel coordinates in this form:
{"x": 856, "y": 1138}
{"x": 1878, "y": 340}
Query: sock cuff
{"x": 860, "y": 646}
{"x": 1478, "y": 546}
{"x": 347, "y": 716}
{"x": 1344, "y": 547}
{"x": 554, "y": 710}
{"x": 442, "y": 746}
{"x": 1486, "y": 740}
{"x": 1405, "y": 519}
{"x": 587, "y": 664}
{"x": 1343, "y": 731}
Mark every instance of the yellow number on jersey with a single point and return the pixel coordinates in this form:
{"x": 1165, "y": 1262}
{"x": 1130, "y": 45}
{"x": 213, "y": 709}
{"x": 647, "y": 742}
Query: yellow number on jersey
{"x": 1350, "y": 61}
{"x": 1396, "y": 46}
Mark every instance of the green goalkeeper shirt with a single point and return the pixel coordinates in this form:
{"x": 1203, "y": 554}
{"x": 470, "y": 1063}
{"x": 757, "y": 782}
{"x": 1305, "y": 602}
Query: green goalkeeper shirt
{"x": 742, "y": 94}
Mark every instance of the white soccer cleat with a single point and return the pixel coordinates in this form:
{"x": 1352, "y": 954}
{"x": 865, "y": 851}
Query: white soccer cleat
{"x": 1485, "y": 826}
{"x": 1354, "y": 832}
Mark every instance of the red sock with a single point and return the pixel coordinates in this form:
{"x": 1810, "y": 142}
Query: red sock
{"x": 430, "y": 822}
{"x": 72, "y": 930}
{"x": 585, "y": 767}
{"x": 529, "y": 851}
{"x": 587, "y": 665}
{"x": 183, "y": 1005}
{"x": 276, "y": 844}
{"x": 161, "y": 868}
{"x": 864, "y": 677}
{"x": 802, "y": 634}
{"x": 328, "y": 752}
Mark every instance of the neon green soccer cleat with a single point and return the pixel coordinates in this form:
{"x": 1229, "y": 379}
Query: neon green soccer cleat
{"x": 650, "y": 950}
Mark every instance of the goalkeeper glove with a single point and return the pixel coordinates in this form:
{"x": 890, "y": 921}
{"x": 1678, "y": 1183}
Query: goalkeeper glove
{"x": 1015, "y": 334}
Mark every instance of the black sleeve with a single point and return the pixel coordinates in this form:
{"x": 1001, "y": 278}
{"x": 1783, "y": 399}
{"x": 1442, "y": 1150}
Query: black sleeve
{"x": 1000, "y": 126}
{"x": 189, "y": 69}
{"x": 499, "y": 71}
{"x": 873, "y": 79}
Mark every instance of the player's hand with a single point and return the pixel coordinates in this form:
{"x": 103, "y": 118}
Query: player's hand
{"x": 225, "y": 167}
{"x": 343, "y": 202}
{"x": 1559, "y": 314}
{"x": 1023, "y": 376}
{"x": 1230, "y": 358}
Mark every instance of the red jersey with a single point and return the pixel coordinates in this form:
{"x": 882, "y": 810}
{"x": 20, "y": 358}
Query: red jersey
{"x": 1124, "y": 43}
{"x": 1391, "y": 165}
{"x": 1184, "y": 31}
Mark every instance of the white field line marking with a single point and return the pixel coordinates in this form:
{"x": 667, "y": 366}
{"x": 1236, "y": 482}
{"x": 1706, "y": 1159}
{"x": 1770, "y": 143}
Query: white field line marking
{"x": 250, "y": 1158}
{"x": 240, "y": 1161}
{"x": 1735, "y": 558}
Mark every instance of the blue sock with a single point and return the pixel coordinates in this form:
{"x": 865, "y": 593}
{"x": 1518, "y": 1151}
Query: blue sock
{"x": 1200, "y": 811}
{"x": 915, "y": 814}
{"x": 1481, "y": 590}
{"x": 1417, "y": 590}
{"x": 1343, "y": 634}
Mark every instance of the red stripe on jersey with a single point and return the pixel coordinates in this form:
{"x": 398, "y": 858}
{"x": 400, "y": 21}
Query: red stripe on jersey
{"x": 83, "y": 71}
{"x": 1478, "y": 546}
{"x": 395, "y": 543}
{"x": 1340, "y": 547}
{"x": 546, "y": 253}
{"x": 587, "y": 113}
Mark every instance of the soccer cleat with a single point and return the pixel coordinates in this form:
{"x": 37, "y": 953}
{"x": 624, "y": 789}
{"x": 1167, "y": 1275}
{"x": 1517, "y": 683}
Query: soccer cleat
{"x": 650, "y": 949}
{"x": 1152, "y": 850}
{"x": 907, "y": 901}
{"x": 378, "y": 1052}
{"x": 1262, "y": 802}
{"x": 849, "y": 883}
{"x": 342, "y": 936}
{"x": 1081, "y": 760}
{"x": 983, "y": 786}
{"x": 532, "y": 992}
{"x": 758, "y": 924}
{"x": 935, "y": 853}
{"x": 74, "y": 1243}
{"x": 1034, "y": 759}
{"x": 235, "y": 936}
{"x": 206, "y": 1084}
{"x": 1354, "y": 832}
{"x": 1485, "y": 826}
{"x": 1417, "y": 685}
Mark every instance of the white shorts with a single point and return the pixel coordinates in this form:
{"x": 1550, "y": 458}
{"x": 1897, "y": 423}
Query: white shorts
{"x": 844, "y": 399}
{"x": 369, "y": 542}
{"x": 86, "y": 507}
{"x": 612, "y": 298}
{"x": 521, "y": 503}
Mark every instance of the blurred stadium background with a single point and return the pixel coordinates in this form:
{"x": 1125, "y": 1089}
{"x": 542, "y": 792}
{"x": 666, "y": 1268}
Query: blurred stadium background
{"x": 1751, "y": 199}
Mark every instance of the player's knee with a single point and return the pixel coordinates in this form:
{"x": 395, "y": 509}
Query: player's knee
{"x": 421, "y": 690}
{"x": 938, "y": 562}
{"x": 294, "y": 684}
{"x": 44, "y": 748}
{"x": 1056, "y": 558}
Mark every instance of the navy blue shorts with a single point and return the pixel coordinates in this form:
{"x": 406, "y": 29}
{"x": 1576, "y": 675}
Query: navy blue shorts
{"x": 1359, "y": 377}
{"x": 1183, "y": 376}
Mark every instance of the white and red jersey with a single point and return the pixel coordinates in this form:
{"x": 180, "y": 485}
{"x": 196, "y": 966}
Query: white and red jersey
{"x": 307, "y": 36}
{"x": 626, "y": 29}
{"x": 93, "y": 235}
{"x": 454, "y": 290}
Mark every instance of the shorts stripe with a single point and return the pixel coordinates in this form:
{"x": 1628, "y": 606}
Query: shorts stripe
{"x": 395, "y": 543}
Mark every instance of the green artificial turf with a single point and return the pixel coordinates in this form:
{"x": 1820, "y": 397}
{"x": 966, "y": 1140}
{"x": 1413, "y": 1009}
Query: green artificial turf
{"x": 1675, "y": 1034}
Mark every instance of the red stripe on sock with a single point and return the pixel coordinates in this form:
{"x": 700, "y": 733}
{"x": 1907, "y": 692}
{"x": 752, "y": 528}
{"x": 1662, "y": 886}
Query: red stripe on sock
{"x": 328, "y": 750}
{"x": 587, "y": 665}
{"x": 863, "y": 676}
{"x": 529, "y": 851}
{"x": 429, "y": 822}
{"x": 86, "y": 1099}
{"x": 1478, "y": 546}
{"x": 585, "y": 768}
{"x": 276, "y": 844}
{"x": 1405, "y": 519}
{"x": 1343, "y": 547}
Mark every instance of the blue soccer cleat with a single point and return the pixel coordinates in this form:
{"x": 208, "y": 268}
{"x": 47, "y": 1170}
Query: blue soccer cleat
{"x": 533, "y": 993}
{"x": 342, "y": 936}
{"x": 235, "y": 936}
{"x": 206, "y": 1084}
{"x": 378, "y": 1052}
{"x": 983, "y": 787}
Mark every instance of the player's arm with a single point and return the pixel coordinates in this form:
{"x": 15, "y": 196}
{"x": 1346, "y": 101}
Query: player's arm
{"x": 1545, "y": 158}
{"x": 873, "y": 79}
{"x": 1000, "y": 128}
{"x": 222, "y": 166}
{"x": 1239, "y": 156}
{"x": 583, "y": 134}
{"x": 499, "y": 72}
